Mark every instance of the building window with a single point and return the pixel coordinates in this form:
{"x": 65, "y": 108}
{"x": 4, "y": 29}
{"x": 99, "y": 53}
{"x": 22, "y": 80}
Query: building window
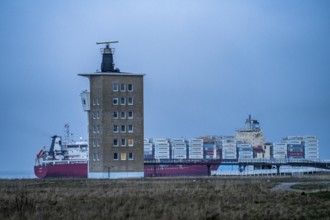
{"x": 122, "y": 156}
{"x": 130, "y": 101}
{"x": 130, "y": 115}
{"x": 96, "y": 143}
{"x": 96, "y": 128}
{"x": 115, "y": 128}
{"x": 96, "y": 115}
{"x": 115, "y": 156}
{"x": 123, "y": 115}
{"x": 130, "y": 87}
{"x": 130, "y": 128}
{"x": 130, "y": 156}
{"x": 130, "y": 142}
{"x": 123, "y": 87}
{"x": 96, "y": 101}
{"x": 115, "y": 87}
{"x": 123, "y": 142}
{"x": 115, "y": 101}
{"x": 96, "y": 157}
{"x": 115, "y": 142}
{"x": 123, "y": 128}
{"x": 115, "y": 115}
{"x": 123, "y": 101}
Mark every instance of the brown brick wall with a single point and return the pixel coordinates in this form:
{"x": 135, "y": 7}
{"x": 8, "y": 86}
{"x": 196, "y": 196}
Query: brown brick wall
{"x": 101, "y": 87}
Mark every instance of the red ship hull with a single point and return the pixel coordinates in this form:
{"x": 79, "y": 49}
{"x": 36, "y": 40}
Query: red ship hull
{"x": 62, "y": 170}
{"x": 80, "y": 170}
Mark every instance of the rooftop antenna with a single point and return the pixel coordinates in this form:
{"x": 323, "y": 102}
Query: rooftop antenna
{"x": 107, "y": 57}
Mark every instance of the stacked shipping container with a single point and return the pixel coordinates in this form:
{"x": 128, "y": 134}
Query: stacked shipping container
{"x": 178, "y": 149}
{"x": 148, "y": 150}
{"x": 162, "y": 149}
{"x": 195, "y": 149}
{"x": 280, "y": 150}
{"x": 245, "y": 151}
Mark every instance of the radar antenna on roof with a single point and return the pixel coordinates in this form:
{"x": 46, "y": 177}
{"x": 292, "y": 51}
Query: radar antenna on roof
{"x": 107, "y": 57}
{"x": 107, "y": 42}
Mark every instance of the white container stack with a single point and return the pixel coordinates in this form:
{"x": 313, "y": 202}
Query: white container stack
{"x": 280, "y": 150}
{"x": 179, "y": 148}
{"x": 229, "y": 151}
{"x": 162, "y": 149}
{"x": 311, "y": 147}
{"x": 148, "y": 151}
{"x": 245, "y": 151}
{"x": 195, "y": 149}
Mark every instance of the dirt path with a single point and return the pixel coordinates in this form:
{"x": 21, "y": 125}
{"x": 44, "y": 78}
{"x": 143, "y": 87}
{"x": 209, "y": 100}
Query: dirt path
{"x": 286, "y": 186}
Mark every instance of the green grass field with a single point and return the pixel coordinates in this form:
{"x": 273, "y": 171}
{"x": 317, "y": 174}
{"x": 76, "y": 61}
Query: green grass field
{"x": 160, "y": 198}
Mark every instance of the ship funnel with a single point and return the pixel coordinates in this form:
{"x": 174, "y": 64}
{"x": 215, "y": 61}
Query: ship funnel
{"x": 107, "y": 64}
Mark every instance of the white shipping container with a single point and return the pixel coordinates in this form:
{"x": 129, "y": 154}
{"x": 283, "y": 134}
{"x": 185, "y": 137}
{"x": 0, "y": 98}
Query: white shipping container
{"x": 179, "y": 152}
{"x": 295, "y": 142}
{"x": 196, "y": 141}
{"x": 160, "y": 140}
{"x": 182, "y": 156}
{"x": 195, "y": 148}
{"x": 162, "y": 157}
{"x": 178, "y": 140}
{"x": 147, "y": 153}
{"x": 195, "y": 156}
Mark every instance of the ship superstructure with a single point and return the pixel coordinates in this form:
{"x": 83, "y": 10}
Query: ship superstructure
{"x": 251, "y": 134}
{"x": 62, "y": 159}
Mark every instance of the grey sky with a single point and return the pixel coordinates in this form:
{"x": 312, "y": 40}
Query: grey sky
{"x": 208, "y": 64}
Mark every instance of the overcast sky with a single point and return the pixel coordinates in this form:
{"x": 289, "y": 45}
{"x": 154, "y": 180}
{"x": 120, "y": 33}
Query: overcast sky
{"x": 208, "y": 65}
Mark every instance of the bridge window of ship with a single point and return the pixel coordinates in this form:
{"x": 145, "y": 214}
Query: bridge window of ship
{"x": 115, "y": 87}
{"x": 130, "y": 101}
{"x": 115, "y": 100}
{"x": 130, "y": 115}
{"x": 130, "y": 87}
{"x": 123, "y": 87}
{"x": 123, "y": 101}
{"x": 123, "y": 115}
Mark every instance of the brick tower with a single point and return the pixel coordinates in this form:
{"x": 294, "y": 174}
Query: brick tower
{"x": 116, "y": 121}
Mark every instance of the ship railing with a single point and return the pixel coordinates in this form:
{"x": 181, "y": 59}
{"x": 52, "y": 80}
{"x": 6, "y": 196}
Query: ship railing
{"x": 54, "y": 162}
{"x": 278, "y": 161}
{"x": 183, "y": 161}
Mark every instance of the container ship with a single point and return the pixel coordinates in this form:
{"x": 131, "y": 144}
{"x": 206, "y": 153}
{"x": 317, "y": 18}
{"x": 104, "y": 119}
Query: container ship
{"x": 70, "y": 159}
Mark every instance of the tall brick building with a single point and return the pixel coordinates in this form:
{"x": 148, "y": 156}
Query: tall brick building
{"x": 116, "y": 121}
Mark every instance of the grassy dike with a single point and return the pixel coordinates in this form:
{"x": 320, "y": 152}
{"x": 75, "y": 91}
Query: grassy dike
{"x": 160, "y": 198}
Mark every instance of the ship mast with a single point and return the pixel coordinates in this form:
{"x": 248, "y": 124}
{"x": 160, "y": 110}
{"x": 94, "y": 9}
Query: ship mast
{"x": 68, "y": 137}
